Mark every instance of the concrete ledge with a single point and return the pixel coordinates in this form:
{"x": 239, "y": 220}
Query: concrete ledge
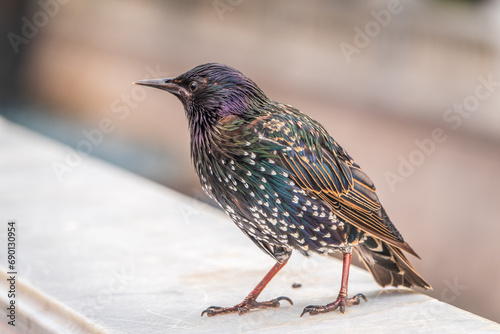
{"x": 108, "y": 251}
{"x": 40, "y": 313}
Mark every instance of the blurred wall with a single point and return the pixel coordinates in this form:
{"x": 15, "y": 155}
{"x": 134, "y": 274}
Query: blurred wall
{"x": 381, "y": 78}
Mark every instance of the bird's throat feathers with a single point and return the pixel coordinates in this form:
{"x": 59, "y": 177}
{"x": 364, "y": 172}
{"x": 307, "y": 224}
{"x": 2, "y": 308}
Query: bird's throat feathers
{"x": 203, "y": 120}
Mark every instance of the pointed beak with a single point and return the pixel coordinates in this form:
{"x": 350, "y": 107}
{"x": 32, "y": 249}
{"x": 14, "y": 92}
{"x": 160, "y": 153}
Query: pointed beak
{"x": 167, "y": 84}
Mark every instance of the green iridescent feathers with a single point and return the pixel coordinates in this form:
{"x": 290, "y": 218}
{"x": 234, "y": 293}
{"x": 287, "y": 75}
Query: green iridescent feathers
{"x": 316, "y": 163}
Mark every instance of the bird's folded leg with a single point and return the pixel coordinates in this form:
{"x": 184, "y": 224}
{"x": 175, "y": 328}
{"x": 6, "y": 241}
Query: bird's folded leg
{"x": 250, "y": 301}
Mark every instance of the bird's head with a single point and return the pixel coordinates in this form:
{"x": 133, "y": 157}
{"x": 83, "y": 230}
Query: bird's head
{"x": 212, "y": 91}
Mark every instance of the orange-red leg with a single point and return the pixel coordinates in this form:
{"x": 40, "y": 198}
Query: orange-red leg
{"x": 342, "y": 299}
{"x": 250, "y": 301}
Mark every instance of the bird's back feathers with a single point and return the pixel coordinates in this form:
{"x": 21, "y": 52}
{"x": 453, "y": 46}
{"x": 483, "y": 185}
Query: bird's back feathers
{"x": 320, "y": 166}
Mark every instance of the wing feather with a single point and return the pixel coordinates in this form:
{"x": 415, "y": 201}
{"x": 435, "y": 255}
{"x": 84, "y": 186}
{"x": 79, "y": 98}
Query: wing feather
{"x": 320, "y": 166}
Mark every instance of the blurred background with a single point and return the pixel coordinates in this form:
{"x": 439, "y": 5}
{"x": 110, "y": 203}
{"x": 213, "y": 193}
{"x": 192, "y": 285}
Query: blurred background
{"x": 410, "y": 88}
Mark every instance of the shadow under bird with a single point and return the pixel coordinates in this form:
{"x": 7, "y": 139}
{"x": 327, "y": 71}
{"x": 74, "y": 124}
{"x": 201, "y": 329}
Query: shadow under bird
{"x": 285, "y": 182}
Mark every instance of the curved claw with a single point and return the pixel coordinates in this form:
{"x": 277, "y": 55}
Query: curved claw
{"x": 355, "y": 300}
{"x": 210, "y": 311}
{"x": 311, "y": 309}
{"x": 284, "y": 298}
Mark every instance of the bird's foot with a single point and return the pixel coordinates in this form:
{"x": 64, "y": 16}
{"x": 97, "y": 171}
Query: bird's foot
{"x": 340, "y": 303}
{"x": 244, "y": 307}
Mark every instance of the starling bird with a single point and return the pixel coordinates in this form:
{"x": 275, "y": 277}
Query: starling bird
{"x": 285, "y": 182}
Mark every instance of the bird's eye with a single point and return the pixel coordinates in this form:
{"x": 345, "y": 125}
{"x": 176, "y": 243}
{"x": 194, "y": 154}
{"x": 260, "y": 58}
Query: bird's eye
{"x": 193, "y": 86}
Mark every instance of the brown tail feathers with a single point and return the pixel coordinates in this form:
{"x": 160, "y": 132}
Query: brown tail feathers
{"x": 388, "y": 265}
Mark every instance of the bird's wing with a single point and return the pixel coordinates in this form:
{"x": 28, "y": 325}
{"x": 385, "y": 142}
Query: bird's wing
{"x": 321, "y": 167}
